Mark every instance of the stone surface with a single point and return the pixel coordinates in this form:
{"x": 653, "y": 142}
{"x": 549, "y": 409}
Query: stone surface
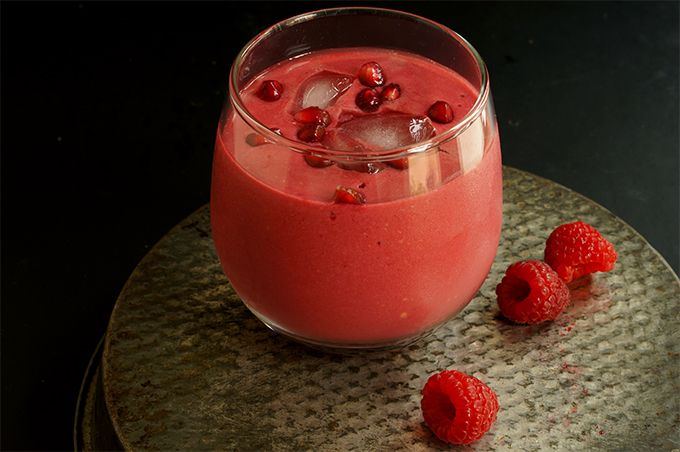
{"x": 186, "y": 366}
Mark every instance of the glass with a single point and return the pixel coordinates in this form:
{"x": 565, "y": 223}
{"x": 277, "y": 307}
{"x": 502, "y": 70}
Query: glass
{"x": 378, "y": 274}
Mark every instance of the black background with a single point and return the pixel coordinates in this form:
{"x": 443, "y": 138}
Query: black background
{"x": 109, "y": 113}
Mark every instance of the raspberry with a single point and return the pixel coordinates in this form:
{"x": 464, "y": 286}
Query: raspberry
{"x": 531, "y": 292}
{"x": 458, "y": 408}
{"x": 577, "y": 249}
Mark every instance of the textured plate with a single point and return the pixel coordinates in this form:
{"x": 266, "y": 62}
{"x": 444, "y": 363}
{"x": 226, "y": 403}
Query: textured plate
{"x": 186, "y": 366}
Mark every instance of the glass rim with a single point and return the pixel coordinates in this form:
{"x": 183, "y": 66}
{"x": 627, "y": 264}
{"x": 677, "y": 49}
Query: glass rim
{"x": 404, "y": 151}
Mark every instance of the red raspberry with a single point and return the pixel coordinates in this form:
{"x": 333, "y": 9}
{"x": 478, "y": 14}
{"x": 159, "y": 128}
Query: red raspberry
{"x": 458, "y": 408}
{"x": 577, "y": 249}
{"x": 531, "y": 292}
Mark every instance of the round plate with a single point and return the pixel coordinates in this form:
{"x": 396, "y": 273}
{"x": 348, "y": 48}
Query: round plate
{"x": 186, "y": 366}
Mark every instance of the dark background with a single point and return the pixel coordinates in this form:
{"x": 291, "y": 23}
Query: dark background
{"x": 109, "y": 113}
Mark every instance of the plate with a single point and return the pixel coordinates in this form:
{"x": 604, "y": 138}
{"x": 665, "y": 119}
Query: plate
{"x": 186, "y": 366}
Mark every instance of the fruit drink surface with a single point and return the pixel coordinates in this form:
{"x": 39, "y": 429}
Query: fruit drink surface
{"x": 407, "y": 259}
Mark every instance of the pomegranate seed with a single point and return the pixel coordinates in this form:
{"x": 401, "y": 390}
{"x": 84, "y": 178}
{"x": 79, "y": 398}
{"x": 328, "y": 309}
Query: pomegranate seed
{"x": 311, "y": 133}
{"x": 391, "y": 92}
{"x": 370, "y": 168}
{"x": 270, "y": 90}
{"x": 346, "y": 115}
{"x": 371, "y": 74}
{"x": 368, "y": 100}
{"x": 313, "y": 115}
{"x": 255, "y": 139}
{"x": 399, "y": 163}
{"x": 317, "y": 162}
{"x": 346, "y": 195}
{"x": 440, "y": 112}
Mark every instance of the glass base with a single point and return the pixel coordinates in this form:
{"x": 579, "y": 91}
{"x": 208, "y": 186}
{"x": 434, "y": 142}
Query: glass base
{"x": 350, "y": 348}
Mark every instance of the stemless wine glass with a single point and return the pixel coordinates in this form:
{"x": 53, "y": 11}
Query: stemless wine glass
{"x": 418, "y": 238}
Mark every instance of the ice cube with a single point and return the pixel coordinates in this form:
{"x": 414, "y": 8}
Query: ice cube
{"x": 322, "y": 89}
{"x": 379, "y": 132}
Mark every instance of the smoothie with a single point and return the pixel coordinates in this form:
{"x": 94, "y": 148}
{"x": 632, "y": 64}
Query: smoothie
{"x": 343, "y": 274}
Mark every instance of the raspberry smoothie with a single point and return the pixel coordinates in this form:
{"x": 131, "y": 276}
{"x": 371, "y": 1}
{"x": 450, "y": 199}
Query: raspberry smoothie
{"x": 349, "y": 253}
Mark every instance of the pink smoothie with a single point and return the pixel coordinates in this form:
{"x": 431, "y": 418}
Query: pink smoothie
{"x": 340, "y": 274}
